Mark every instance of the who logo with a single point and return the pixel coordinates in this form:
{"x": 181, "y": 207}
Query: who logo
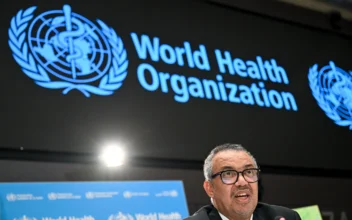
{"x": 60, "y": 49}
{"x": 331, "y": 87}
{"x": 24, "y": 218}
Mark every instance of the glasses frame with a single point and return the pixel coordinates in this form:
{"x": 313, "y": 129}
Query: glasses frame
{"x": 238, "y": 174}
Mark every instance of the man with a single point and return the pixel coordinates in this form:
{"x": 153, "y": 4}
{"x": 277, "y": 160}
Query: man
{"x": 231, "y": 181}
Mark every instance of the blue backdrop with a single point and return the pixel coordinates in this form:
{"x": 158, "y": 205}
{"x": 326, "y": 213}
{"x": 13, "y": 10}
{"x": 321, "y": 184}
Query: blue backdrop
{"x": 141, "y": 200}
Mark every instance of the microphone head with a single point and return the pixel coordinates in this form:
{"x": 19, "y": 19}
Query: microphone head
{"x": 279, "y": 218}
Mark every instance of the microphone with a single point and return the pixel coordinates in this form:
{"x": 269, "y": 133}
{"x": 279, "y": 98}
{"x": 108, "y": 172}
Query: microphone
{"x": 279, "y": 218}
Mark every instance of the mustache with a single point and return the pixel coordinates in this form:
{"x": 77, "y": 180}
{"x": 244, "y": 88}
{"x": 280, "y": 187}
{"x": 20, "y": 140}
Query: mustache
{"x": 241, "y": 190}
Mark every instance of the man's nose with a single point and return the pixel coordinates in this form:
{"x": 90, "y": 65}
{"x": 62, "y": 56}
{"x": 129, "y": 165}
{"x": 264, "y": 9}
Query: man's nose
{"x": 241, "y": 181}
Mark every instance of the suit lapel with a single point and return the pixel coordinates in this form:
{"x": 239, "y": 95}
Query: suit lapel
{"x": 257, "y": 216}
{"x": 214, "y": 214}
{"x": 260, "y": 214}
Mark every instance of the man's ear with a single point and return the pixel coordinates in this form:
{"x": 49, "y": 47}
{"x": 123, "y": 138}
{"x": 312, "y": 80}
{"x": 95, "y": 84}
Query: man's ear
{"x": 209, "y": 188}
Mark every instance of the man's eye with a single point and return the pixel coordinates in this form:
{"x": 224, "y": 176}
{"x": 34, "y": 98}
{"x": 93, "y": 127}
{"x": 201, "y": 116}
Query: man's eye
{"x": 228, "y": 173}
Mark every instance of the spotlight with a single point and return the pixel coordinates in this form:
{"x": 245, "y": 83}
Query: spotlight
{"x": 113, "y": 156}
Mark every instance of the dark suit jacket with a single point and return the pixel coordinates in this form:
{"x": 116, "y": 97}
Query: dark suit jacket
{"x": 262, "y": 212}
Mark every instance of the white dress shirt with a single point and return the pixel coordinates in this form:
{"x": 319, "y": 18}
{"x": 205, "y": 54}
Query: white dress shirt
{"x": 225, "y": 218}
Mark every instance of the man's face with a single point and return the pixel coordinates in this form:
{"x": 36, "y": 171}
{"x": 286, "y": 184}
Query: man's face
{"x": 230, "y": 199}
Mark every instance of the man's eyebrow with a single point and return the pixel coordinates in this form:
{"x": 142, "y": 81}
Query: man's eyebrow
{"x": 249, "y": 166}
{"x": 231, "y": 168}
{"x": 226, "y": 168}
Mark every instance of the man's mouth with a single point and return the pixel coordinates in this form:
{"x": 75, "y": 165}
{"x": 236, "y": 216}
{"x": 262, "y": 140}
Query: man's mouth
{"x": 242, "y": 195}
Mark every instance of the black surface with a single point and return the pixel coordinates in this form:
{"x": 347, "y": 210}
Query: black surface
{"x": 152, "y": 124}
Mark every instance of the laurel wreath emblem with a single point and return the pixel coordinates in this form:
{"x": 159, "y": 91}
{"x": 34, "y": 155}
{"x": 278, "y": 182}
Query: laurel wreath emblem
{"x": 110, "y": 82}
{"x": 319, "y": 97}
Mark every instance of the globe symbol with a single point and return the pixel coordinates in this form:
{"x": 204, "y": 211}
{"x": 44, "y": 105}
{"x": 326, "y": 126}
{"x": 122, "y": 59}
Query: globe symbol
{"x": 90, "y": 195}
{"x": 11, "y": 197}
{"x": 332, "y": 88}
{"x": 127, "y": 194}
{"x": 52, "y": 196}
{"x": 336, "y": 86}
{"x": 25, "y": 218}
{"x": 60, "y": 49}
{"x": 121, "y": 216}
{"x": 69, "y": 46}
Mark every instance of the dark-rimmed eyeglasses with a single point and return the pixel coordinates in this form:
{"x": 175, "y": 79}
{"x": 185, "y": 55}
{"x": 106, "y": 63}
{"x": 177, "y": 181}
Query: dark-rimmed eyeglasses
{"x": 231, "y": 176}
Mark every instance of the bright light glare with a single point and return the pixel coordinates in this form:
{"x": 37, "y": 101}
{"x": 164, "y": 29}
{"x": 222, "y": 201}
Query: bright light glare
{"x": 113, "y": 156}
